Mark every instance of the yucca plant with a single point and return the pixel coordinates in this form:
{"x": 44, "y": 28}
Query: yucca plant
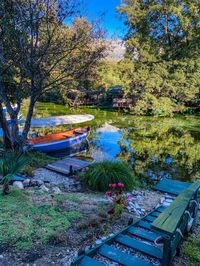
{"x": 101, "y": 174}
{"x": 11, "y": 163}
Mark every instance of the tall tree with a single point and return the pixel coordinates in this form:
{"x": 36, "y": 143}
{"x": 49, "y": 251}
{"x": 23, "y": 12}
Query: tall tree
{"x": 163, "y": 45}
{"x": 42, "y": 47}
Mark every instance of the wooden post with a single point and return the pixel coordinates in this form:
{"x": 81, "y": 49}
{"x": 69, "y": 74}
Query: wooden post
{"x": 167, "y": 252}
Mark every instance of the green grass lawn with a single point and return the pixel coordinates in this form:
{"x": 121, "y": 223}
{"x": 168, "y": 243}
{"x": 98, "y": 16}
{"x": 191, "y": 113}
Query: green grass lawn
{"x": 191, "y": 249}
{"x": 24, "y": 223}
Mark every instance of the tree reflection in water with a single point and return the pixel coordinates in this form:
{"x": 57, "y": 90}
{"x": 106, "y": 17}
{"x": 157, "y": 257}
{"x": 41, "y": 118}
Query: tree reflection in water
{"x": 161, "y": 148}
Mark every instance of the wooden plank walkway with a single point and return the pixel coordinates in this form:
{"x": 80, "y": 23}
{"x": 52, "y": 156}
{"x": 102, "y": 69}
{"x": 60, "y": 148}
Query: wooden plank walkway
{"x": 174, "y": 187}
{"x": 68, "y": 165}
{"x": 139, "y": 236}
{"x": 135, "y": 238}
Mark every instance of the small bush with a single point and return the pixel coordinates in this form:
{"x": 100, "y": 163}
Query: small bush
{"x": 101, "y": 174}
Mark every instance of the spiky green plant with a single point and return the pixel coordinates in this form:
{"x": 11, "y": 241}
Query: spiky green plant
{"x": 11, "y": 163}
{"x": 101, "y": 174}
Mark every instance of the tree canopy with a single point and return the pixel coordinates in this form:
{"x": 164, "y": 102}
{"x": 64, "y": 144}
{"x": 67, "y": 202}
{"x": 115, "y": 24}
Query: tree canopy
{"x": 162, "y": 60}
{"x": 43, "y": 45}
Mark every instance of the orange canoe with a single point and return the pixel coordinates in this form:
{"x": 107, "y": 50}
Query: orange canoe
{"x": 60, "y": 140}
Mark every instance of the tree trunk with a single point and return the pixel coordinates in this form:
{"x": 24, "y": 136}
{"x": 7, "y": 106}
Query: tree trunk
{"x": 11, "y": 138}
{"x": 16, "y": 139}
{"x": 6, "y": 133}
{"x": 28, "y": 118}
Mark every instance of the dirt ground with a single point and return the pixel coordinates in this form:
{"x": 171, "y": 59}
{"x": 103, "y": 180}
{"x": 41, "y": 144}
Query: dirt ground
{"x": 93, "y": 225}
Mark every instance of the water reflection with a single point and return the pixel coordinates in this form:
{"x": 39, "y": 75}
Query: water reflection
{"x": 154, "y": 148}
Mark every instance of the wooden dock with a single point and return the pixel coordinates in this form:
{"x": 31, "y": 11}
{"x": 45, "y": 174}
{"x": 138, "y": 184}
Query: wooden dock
{"x": 68, "y": 165}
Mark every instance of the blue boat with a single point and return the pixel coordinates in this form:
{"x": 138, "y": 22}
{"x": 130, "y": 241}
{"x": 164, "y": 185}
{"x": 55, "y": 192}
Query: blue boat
{"x": 59, "y": 141}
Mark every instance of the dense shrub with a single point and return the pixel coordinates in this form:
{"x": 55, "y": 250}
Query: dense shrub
{"x": 103, "y": 173}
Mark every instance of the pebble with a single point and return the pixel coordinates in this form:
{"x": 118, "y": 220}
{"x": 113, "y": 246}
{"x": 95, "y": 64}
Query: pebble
{"x": 133, "y": 206}
{"x": 26, "y": 182}
{"x": 98, "y": 242}
{"x": 55, "y": 179}
{"x": 36, "y": 182}
{"x": 56, "y": 190}
{"x": 162, "y": 200}
{"x": 137, "y": 206}
{"x": 18, "y": 184}
{"x": 166, "y": 204}
{"x": 1, "y": 257}
{"x": 168, "y": 200}
{"x": 44, "y": 188}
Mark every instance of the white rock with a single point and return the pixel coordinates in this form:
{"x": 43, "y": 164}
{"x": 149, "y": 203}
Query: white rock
{"x": 26, "y": 182}
{"x": 162, "y": 200}
{"x": 44, "y": 188}
{"x": 138, "y": 213}
{"x": 166, "y": 204}
{"x": 168, "y": 200}
{"x": 98, "y": 242}
{"x": 137, "y": 206}
{"x": 1, "y": 257}
{"x": 18, "y": 184}
{"x": 129, "y": 208}
{"x": 56, "y": 190}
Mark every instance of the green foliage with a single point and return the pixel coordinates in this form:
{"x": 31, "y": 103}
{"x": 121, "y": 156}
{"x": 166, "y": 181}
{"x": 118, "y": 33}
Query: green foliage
{"x": 109, "y": 74}
{"x": 162, "y": 147}
{"x": 191, "y": 249}
{"x": 103, "y": 75}
{"x": 37, "y": 159}
{"x": 101, "y": 174}
{"x": 11, "y": 163}
{"x": 150, "y": 104}
{"x": 162, "y": 60}
{"x": 151, "y": 139}
{"x": 25, "y": 224}
{"x": 61, "y": 57}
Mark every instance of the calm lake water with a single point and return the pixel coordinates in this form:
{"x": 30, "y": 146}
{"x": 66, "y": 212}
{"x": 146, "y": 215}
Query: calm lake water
{"x": 153, "y": 147}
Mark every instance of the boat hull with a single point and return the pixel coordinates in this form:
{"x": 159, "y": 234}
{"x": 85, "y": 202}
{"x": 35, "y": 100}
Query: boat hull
{"x": 60, "y": 145}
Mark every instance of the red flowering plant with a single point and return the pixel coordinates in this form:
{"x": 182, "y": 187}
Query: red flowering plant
{"x": 118, "y": 198}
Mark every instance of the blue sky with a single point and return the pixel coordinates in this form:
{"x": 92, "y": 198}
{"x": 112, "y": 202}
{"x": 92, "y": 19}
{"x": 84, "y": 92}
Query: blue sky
{"x": 111, "y": 20}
